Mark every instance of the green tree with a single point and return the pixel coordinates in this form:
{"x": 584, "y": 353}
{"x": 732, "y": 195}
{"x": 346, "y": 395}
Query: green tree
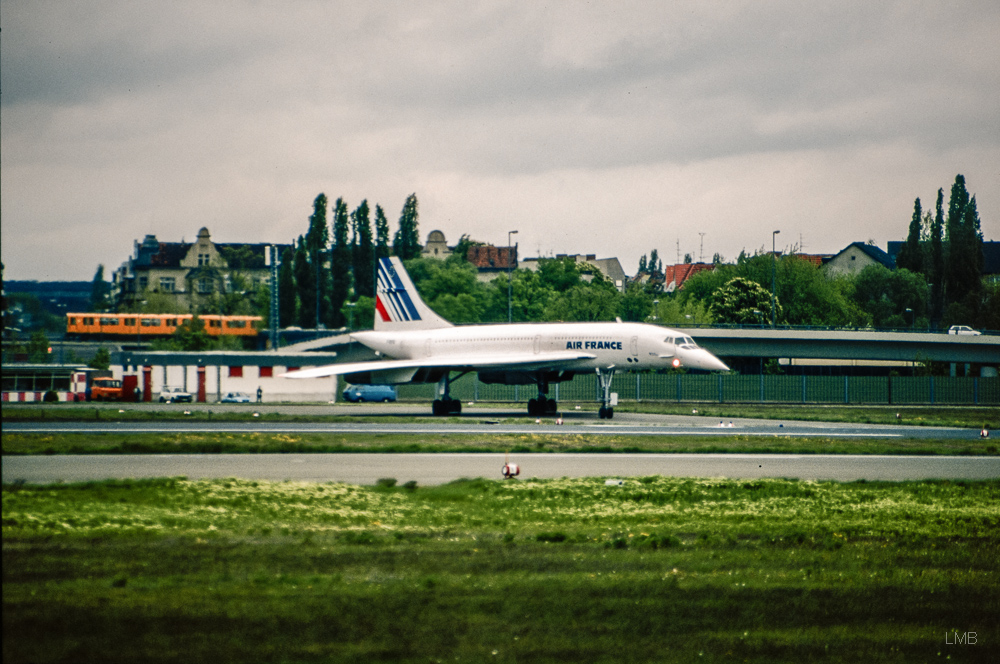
{"x": 340, "y": 265}
{"x": 305, "y": 286}
{"x": 287, "y": 296}
{"x": 381, "y": 234}
{"x": 935, "y": 265}
{"x": 363, "y": 252}
{"x": 406, "y": 241}
{"x": 585, "y": 302}
{"x": 892, "y": 298}
{"x": 743, "y": 302}
{"x": 242, "y": 257}
{"x": 449, "y": 288}
{"x": 911, "y": 255}
{"x": 38, "y": 348}
{"x": 676, "y": 311}
{"x": 99, "y": 292}
{"x": 191, "y": 335}
{"x": 635, "y": 304}
{"x": 461, "y": 252}
{"x": 101, "y": 360}
{"x": 559, "y": 274}
{"x": 956, "y": 257}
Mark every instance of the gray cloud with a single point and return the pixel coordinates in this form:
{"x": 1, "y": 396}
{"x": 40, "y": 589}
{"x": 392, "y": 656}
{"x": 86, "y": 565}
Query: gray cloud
{"x": 162, "y": 117}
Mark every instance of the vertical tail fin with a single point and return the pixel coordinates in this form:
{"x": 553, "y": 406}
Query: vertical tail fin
{"x": 397, "y": 304}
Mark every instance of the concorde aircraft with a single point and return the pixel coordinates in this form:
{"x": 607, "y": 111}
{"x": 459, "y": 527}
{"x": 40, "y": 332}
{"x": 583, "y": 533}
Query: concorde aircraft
{"x": 418, "y": 346}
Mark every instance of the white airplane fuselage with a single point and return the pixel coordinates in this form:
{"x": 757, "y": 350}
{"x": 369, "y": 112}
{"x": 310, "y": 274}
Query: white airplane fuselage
{"x": 626, "y": 346}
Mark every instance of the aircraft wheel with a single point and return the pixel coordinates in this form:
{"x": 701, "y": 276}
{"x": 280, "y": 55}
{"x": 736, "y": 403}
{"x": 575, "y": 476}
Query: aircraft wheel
{"x": 610, "y": 412}
{"x": 532, "y": 407}
{"x": 551, "y": 406}
{"x": 602, "y": 412}
{"x": 455, "y": 407}
{"x": 436, "y": 408}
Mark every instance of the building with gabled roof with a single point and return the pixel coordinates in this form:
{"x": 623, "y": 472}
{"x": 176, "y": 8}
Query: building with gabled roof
{"x": 188, "y": 274}
{"x": 856, "y": 257}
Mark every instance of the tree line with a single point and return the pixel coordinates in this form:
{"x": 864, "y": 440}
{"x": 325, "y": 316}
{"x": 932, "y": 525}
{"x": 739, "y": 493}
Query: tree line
{"x": 328, "y": 279}
{"x": 330, "y": 273}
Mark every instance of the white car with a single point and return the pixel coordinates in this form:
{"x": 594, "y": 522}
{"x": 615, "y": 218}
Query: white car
{"x": 175, "y": 395}
{"x": 962, "y": 329}
{"x": 236, "y": 397}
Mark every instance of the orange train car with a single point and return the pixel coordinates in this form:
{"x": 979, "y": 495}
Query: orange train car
{"x": 156, "y": 325}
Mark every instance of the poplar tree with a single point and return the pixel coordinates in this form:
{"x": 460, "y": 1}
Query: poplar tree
{"x": 317, "y": 243}
{"x": 406, "y": 241}
{"x": 287, "y": 295}
{"x": 340, "y": 265}
{"x": 381, "y": 234}
{"x": 911, "y": 255}
{"x": 305, "y": 286}
{"x": 99, "y": 291}
{"x": 935, "y": 271}
{"x": 363, "y": 252}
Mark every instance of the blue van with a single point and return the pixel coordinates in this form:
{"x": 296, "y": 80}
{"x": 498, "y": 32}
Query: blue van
{"x": 356, "y": 393}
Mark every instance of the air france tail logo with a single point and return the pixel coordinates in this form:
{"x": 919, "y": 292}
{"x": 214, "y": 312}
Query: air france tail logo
{"x": 393, "y": 302}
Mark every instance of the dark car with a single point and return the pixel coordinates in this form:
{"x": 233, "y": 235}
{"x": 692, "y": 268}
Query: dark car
{"x": 383, "y": 393}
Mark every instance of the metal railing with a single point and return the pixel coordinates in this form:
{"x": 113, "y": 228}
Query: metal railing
{"x": 721, "y": 388}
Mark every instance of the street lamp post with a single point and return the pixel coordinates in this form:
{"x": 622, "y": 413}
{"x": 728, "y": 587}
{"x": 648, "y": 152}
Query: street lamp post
{"x": 510, "y": 305}
{"x": 774, "y": 268}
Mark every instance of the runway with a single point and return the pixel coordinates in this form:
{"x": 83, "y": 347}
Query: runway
{"x": 432, "y": 469}
{"x": 640, "y": 425}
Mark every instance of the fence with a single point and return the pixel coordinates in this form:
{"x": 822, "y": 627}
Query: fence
{"x": 894, "y": 390}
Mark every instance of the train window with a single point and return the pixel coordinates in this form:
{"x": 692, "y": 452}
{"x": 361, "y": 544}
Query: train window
{"x": 215, "y": 323}
{"x": 130, "y": 322}
{"x": 236, "y": 323}
{"x": 88, "y": 321}
{"x": 150, "y": 322}
{"x": 171, "y": 322}
{"x": 109, "y": 321}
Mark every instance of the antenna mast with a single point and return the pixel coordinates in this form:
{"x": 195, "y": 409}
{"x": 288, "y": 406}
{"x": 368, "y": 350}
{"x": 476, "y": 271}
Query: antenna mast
{"x": 701, "y": 249}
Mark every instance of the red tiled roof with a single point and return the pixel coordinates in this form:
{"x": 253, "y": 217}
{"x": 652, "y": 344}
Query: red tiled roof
{"x": 678, "y": 274}
{"x": 488, "y": 256}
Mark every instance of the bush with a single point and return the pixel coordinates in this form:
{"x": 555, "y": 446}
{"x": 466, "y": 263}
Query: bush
{"x": 386, "y": 482}
{"x": 50, "y": 397}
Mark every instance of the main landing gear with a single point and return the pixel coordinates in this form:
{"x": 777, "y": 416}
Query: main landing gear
{"x": 543, "y": 405}
{"x": 446, "y": 405}
{"x": 606, "y": 411}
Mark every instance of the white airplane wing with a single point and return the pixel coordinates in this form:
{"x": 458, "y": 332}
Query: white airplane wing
{"x": 525, "y": 362}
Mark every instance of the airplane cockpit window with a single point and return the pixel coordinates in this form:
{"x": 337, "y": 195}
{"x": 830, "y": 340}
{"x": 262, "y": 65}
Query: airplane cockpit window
{"x": 669, "y": 340}
{"x": 686, "y": 342}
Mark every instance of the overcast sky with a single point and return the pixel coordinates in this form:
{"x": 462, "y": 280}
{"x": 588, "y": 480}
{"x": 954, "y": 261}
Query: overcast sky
{"x": 609, "y": 128}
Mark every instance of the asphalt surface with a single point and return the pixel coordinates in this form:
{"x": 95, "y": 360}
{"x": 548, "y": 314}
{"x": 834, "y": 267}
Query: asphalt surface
{"x": 431, "y": 469}
{"x": 475, "y": 421}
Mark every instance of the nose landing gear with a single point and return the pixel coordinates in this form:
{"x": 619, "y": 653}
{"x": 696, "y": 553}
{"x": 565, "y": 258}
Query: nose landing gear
{"x": 606, "y": 411}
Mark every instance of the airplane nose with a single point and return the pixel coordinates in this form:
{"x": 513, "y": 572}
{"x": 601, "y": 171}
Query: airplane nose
{"x": 702, "y": 359}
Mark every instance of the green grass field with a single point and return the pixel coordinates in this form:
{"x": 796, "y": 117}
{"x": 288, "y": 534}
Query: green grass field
{"x": 570, "y": 570}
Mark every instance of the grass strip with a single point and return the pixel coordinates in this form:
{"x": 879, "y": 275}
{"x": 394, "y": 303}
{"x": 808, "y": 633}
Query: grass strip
{"x": 971, "y": 417}
{"x": 272, "y": 443}
{"x": 657, "y": 569}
